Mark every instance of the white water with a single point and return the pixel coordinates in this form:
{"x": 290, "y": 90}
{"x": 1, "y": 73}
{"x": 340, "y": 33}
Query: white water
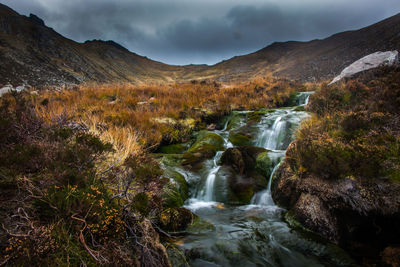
{"x": 264, "y": 198}
{"x": 255, "y": 234}
{"x": 209, "y": 187}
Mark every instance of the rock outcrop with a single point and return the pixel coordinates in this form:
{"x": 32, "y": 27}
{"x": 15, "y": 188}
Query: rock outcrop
{"x": 245, "y": 170}
{"x": 361, "y": 216}
{"x": 371, "y": 61}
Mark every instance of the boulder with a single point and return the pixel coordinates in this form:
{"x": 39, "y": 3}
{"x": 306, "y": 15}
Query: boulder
{"x": 371, "y": 61}
{"x": 206, "y": 146}
{"x": 175, "y": 219}
{"x": 362, "y": 216}
{"x": 245, "y": 171}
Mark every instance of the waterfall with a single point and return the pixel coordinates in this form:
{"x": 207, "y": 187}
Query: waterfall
{"x": 208, "y": 194}
{"x": 303, "y": 97}
{"x": 273, "y": 139}
{"x": 264, "y": 198}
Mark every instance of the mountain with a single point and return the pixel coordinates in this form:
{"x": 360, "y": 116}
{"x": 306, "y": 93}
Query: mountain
{"x": 35, "y": 54}
{"x": 314, "y": 60}
{"x": 32, "y": 53}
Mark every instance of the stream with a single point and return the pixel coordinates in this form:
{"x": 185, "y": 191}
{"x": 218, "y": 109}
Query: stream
{"x": 256, "y": 234}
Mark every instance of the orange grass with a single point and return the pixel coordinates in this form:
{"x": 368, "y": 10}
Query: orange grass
{"x": 133, "y": 117}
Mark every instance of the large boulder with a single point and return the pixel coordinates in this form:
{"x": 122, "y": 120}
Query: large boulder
{"x": 371, "y": 61}
{"x": 245, "y": 170}
{"x": 362, "y": 216}
{"x": 206, "y": 146}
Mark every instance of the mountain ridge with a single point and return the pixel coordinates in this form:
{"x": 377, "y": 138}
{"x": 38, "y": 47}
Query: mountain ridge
{"x": 34, "y": 54}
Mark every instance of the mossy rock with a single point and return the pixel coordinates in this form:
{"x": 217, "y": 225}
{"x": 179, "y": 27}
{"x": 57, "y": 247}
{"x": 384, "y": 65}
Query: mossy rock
{"x": 172, "y": 160}
{"x": 200, "y": 226}
{"x": 244, "y": 169}
{"x": 240, "y": 139}
{"x": 299, "y": 108}
{"x": 173, "y": 149}
{"x": 264, "y": 165}
{"x": 172, "y": 197}
{"x": 235, "y": 120}
{"x": 255, "y": 117}
{"x": 175, "y": 219}
{"x": 205, "y": 147}
{"x": 180, "y": 181}
{"x": 207, "y": 139}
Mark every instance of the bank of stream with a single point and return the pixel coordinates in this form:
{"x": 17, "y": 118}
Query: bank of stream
{"x": 239, "y": 223}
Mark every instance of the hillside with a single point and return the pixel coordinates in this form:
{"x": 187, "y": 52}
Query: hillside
{"x": 35, "y": 54}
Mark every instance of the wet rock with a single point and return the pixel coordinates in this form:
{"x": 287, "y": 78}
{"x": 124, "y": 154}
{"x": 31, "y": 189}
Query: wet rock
{"x": 175, "y": 219}
{"x": 243, "y": 173}
{"x": 179, "y": 181}
{"x": 361, "y": 216}
{"x": 172, "y": 149}
{"x": 240, "y": 139}
{"x": 205, "y": 147}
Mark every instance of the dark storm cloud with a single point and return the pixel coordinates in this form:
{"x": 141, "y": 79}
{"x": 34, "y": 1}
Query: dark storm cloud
{"x": 207, "y": 31}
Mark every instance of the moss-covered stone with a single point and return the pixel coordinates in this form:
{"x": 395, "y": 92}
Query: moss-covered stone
{"x": 172, "y": 160}
{"x": 180, "y": 182}
{"x": 299, "y": 108}
{"x": 205, "y": 147}
{"x": 207, "y": 139}
{"x": 255, "y": 117}
{"x": 200, "y": 226}
{"x": 235, "y": 120}
{"x": 241, "y": 167}
{"x": 175, "y": 219}
{"x": 240, "y": 139}
{"x": 264, "y": 165}
{"x": 172, "y": 149}
{"x": 172, "y": 197}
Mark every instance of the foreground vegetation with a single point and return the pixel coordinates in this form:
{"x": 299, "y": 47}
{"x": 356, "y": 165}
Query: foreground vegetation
{"x": 356, "y": 130}
{"x": 77, "y": 184}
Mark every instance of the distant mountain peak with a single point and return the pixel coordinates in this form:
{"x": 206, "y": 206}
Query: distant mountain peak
{"x": 108, "y": 42}
{"x": 35, "y": 19}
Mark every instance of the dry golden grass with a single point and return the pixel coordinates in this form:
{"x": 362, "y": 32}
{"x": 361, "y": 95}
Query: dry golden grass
{"x": 137, "y": 117}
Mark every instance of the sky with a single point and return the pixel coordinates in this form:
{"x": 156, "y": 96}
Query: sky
{"x": 183, "y": 32}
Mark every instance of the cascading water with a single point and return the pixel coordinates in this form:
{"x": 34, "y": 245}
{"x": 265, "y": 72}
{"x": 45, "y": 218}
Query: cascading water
{"x": 252, "y": 235}
{"x": 209, "y": 188}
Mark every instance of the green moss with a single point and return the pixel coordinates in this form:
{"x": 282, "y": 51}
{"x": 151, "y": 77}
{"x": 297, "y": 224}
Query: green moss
{"x": 299, "y": 108}
{"x": 200, "y": 226}
{"x": 235, "y": 120}
{"x": 205, "y": 147}
{"x": 207, "y": 139}
{"x": 264, "y": 164}
{"x": 173, "y": 160}
{"x": 172, "y": 149}
{"x": 240, "y": 139}
{"x": 256, "y": 116}
{"x": 172, "y": 197}
{"x": 180, "y": 180}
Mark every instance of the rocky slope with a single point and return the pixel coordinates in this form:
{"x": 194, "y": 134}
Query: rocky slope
{"x": 35, "y": 54}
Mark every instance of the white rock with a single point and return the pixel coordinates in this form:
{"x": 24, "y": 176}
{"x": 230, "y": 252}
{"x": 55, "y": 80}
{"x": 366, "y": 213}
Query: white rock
{"x": 6, "y": 89}
{"x": 371, "y": 61}
{"x": 20, "y": 88}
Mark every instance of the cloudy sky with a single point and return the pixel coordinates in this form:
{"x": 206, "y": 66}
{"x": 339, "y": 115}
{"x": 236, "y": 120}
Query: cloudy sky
{"x": 203, "y": 31}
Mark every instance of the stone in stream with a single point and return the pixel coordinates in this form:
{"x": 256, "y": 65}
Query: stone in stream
{"x": 245, "y": 170}
{"x": 362, "y": 216}
{"x": 205, "y": 147}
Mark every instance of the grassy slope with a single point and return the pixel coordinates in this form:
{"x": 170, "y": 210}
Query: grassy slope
{"x": 355, "y": 132}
